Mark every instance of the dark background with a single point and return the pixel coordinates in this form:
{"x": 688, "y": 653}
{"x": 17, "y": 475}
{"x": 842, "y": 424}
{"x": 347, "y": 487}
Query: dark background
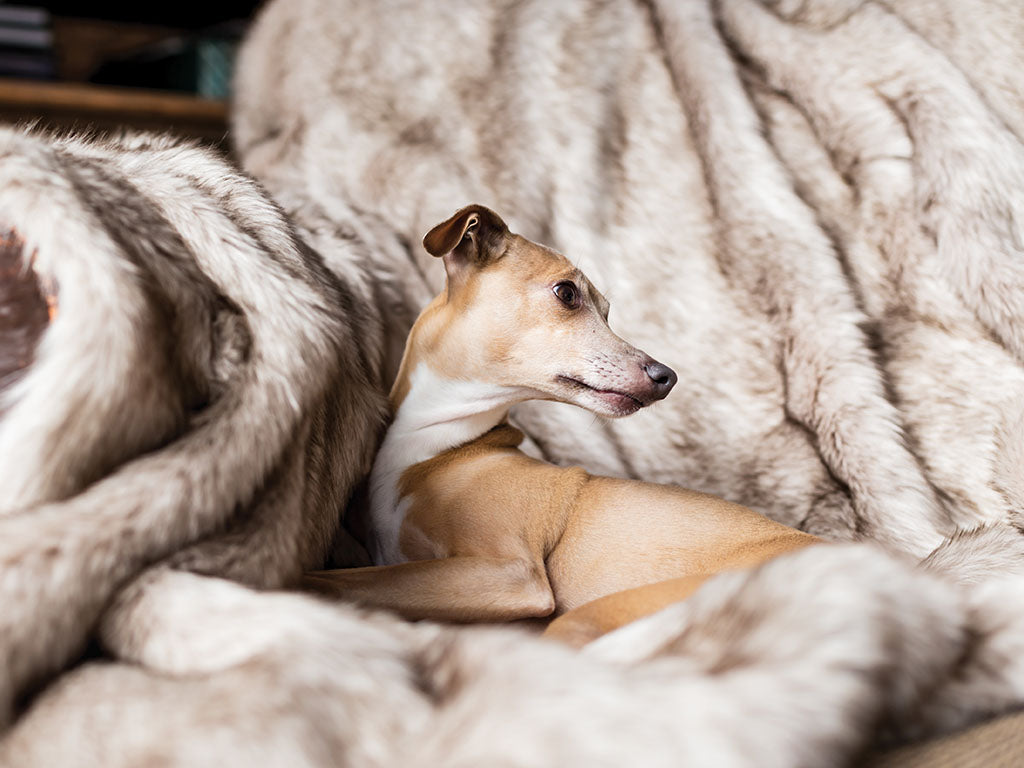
{"x": 171, "y": 14}
{"x": 110, "y": 65}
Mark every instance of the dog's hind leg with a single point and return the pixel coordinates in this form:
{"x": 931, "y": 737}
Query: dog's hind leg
{"x": 598, "y": 617}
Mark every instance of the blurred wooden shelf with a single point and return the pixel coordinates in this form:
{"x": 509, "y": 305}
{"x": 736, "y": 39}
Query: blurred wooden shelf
{"x": 82, "y": 105}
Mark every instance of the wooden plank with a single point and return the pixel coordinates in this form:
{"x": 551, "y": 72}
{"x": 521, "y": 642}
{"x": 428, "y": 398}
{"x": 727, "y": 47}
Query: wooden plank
{"x": 84, "y": 105}
{"x": 94, "y": 98}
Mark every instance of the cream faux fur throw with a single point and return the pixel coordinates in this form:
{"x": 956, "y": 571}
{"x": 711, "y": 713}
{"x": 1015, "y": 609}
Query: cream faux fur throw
{"x": 814, "y": 211}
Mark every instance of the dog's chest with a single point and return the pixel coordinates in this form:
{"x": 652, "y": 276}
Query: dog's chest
{"x": 495, "y": 503}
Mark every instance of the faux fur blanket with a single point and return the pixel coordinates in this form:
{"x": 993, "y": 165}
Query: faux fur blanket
{"x": 813, "y": 211}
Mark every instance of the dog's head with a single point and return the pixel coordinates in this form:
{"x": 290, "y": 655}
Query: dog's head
{"x": 518, "y": 315}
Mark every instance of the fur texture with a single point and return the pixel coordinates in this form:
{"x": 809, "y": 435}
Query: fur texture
{"x": 829, "y": 262}
{"x": 721, "y": 680}
{"x": 167, "y": 405}
{"x": 812, "y": 210}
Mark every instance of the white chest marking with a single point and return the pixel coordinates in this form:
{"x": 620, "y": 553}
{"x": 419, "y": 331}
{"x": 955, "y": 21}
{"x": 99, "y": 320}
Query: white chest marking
{"x": 437, "y": 414}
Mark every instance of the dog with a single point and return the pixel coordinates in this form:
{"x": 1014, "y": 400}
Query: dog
{"x": 468, "y": 528}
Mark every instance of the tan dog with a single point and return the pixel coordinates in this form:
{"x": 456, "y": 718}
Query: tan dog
{"x": 467, "y": 527}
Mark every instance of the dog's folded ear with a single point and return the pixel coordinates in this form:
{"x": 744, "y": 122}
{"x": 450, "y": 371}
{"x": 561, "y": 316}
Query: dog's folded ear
{"x": 474, "y": 233}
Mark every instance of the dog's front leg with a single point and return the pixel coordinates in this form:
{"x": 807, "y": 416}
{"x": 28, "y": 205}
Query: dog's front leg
{"x": 461, "y": 588}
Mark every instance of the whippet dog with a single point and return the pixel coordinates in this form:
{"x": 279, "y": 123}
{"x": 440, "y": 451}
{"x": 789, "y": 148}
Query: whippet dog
{"x": 466, "y": 526}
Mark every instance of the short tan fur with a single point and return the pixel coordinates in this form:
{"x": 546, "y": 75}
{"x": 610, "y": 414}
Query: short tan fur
{"x": 469, "y": 527}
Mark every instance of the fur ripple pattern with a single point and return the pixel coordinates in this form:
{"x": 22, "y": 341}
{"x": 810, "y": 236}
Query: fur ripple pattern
{"x": 812, "y": 210}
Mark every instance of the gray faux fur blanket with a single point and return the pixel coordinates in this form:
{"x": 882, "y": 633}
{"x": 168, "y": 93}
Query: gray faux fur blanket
{"x": 813, "y": 211}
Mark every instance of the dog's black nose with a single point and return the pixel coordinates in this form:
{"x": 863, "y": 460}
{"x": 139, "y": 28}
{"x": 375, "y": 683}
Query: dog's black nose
{"x": 663, "y": 377}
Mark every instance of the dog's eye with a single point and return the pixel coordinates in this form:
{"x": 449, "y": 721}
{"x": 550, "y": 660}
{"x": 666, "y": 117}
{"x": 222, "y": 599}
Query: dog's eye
{"x": 567, "y": 293}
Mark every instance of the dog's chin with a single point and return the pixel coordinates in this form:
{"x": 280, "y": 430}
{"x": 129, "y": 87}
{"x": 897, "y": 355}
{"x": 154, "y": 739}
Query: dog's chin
{"x": 615, "y": 405}
{"x": 604, "y": 402}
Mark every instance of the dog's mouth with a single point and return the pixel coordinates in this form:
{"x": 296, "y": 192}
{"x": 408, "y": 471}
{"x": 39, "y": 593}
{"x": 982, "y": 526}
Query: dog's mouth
{"x": 617, "y": 403}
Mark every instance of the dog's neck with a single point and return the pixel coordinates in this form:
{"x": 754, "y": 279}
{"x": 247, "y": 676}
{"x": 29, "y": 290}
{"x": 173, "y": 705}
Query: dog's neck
{"x": 433, "y": 415}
